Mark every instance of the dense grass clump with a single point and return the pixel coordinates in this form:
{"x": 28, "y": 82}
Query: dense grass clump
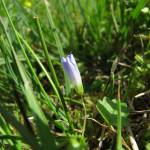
{"x": 44, "y": 105}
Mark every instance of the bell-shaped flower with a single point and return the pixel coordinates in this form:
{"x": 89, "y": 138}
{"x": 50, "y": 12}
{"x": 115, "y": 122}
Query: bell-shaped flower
{"x": 71, "y": 69}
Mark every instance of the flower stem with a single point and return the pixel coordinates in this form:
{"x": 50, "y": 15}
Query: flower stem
{"x": 85, "y": 116}
{"x": 119, "y": 138}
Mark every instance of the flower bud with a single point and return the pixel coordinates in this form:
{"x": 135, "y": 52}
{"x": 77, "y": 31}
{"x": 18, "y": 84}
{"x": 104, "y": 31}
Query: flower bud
{"x": 71, "y": 69}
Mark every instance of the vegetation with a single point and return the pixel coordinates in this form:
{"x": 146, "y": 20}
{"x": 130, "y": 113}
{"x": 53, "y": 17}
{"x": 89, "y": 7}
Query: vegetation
{"x": 39, "y": 107}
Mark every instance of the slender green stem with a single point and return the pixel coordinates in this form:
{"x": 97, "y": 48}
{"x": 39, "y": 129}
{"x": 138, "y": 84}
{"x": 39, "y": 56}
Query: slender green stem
{"x": 121, "y": 3}
{"x": 119, "y": 138}
{"x": 82, "y": 11}
{"x": 85, "y": 116}
{"x": 49, "y": 61}
{"x": 114, "y": 18}
{"x": 119, "y": 141}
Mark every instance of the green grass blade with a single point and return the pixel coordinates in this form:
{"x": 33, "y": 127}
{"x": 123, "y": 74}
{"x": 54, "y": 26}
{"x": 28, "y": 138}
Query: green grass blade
{"x": 58, "y": 43}
{"x": 41, "y": 65}
{"x": 41, "y": 122}
{"x": 46, "y": 138}
{"x": 56, "y": 90}
{"x": 50, "y": 65}
{"x": 52, "y": 24}
{"x": 5, "y": 129}
{"x": 119, "y": 138}
{"x": 138, "y": 8}
{"x": 46, "y": 97}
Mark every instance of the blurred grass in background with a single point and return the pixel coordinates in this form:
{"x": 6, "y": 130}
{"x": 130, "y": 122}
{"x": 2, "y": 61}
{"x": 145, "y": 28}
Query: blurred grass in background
{"x": 108, "y": 38}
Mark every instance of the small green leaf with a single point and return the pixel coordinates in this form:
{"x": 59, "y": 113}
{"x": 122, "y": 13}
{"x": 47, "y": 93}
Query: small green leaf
{"x": 108, "y": 110}
{"x": 139, "y": 59}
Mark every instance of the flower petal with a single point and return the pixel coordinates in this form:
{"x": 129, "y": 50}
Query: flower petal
{"x": 72, "y": 71}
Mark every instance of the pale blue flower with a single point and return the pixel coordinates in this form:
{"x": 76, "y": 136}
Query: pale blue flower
{"x": 71, "y": 69}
